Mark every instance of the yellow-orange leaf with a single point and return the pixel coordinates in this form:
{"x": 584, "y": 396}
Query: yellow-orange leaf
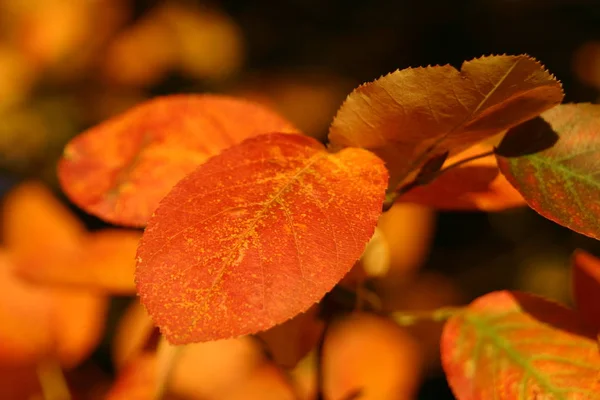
{"x": 26, "y": 314}
{"x": 49, "y": 245}
{"x": 408, "y": 116}
{"x": 370, "y": 355}
{"x": 39, "y": 321}
{"x": 514, "y": 345}
{"x": 36, "y": 226}
{"x": 105, "y": 262}
{"x": 121, "y": 169}
{"x": 78, "y": 324}
{"x": 257, "y": 235}
{"x": 477, "y": 185}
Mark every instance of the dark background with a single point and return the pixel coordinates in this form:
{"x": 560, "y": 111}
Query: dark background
{"x": 361, "y": 40}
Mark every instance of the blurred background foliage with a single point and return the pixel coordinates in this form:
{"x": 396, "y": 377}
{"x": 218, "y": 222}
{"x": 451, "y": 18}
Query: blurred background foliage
{"x": 66, "y": 65}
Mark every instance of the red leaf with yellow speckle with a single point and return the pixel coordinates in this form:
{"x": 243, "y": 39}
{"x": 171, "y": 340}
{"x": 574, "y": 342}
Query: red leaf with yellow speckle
{"x": 121, "y": 169}
{"x": 586, "y": 286}
{"x": 562, "y": 183}
{"x": 257, "y": 235}
{"x": 511, "y": 345}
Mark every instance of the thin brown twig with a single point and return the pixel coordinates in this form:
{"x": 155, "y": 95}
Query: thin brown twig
{"x": 428, "y": 178}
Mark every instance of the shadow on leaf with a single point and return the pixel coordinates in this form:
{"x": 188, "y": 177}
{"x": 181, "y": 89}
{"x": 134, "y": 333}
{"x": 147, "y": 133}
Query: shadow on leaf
{"x": 527, "y": 138}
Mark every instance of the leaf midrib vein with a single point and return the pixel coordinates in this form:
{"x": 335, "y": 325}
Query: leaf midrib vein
{"x": 430, "y": 149}
{"x": 242, "y": 237}
{"x": 506, "y": 347}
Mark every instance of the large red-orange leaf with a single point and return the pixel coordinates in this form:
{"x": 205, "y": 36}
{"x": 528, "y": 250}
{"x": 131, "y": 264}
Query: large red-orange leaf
{"x": 511, "y": 345}
{"x": 257, "y": 235}
{"x": 586, "y": 286}
{"x": 411, "y": 115}
{"x": 477, "y": 185}
{"x": 121, "y": 169}
{"x": 562, "y": 183}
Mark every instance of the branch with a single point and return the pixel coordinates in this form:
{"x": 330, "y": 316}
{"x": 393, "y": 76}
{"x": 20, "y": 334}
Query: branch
{"x": 425, "y": 179}
{"x": 408, "y": 318}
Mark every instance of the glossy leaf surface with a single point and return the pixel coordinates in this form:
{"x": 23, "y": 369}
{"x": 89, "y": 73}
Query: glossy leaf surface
{"x": 477, "y": 185}
{"x": 586, "y": 286}
{"x": 562, "y": 183}
{"x": 257, "y": 235}
{"x": 513, "y": 345}
{"x": 412, "y": 115}
{"x": 121, "y": 169}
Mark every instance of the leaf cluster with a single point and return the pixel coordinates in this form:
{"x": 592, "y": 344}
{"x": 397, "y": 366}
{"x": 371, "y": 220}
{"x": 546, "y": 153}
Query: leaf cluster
{"x": 249, "y": 223}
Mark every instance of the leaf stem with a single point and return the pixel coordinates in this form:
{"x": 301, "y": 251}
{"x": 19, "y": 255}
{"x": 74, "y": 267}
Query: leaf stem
{"x": 52, "y": 380}
{"x": 428, "y": 178}
{"x": 167, "y": 356}
{"x": 407, "y": 318}
{"x": 320, "y": 392}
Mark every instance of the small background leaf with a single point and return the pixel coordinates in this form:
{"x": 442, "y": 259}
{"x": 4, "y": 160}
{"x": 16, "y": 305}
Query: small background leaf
{"x": 257, "y": 235}
{"x": 50, "y": 246}
{"x": 562, "y": 183}
{"x": 407, "y": 116}
{"x": 586, "y": 286}
{"x": 477, "y": 185}
{"x": 120, "y": 169}
{"x": 514, "y": 345}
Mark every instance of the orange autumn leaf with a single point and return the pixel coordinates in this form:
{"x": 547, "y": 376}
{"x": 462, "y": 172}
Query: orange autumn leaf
{"x": 105, "y": 263}
{"x": 77, "y": 323}
{"x": 51, "y": 246}
{"x": 586, "y": 286}
{"x": 289, "y": 342}
{"x": 36, "y": 226}
{"x": 519, "y": 346}
{"x": 121, "y": 169}
{"x": 266, "y": 382}
{"x": 25, "y": 313}
{"x": 372, "y": 356}
{"x": 476, "y": 185}
{"x": 41, "y": 321}
{"x": 208, "y": 371}
{"x": 211, "y": 45}
{"x": 411, "y": 115}
{"x": 256, "y": 235}
{"x": 408, "y": 230}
